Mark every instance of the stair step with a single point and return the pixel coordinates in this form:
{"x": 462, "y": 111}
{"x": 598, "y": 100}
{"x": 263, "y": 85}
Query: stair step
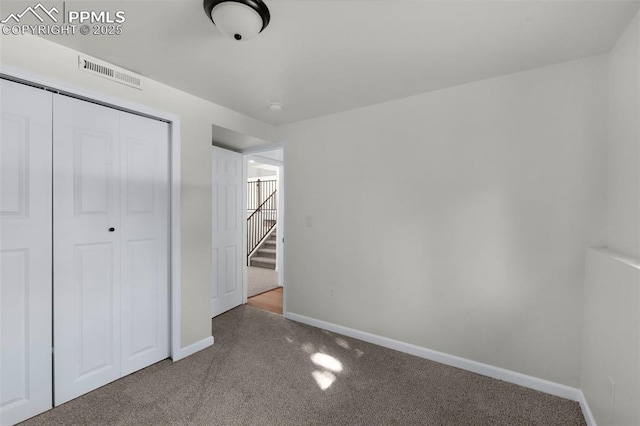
{"x": 270, "y": 244}
{"x": 263, "y": 262}
{"x": 267, "y": 252}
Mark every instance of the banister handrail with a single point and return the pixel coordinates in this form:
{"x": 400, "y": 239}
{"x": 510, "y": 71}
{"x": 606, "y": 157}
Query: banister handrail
{"x": 257, "y": 231}
{"x": 263, "y": 203}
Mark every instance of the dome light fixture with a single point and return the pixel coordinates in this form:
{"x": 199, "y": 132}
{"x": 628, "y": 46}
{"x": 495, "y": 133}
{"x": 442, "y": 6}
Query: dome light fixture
{"x": 238, "y": 19}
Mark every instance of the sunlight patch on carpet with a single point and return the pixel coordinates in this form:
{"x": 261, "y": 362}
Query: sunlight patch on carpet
{"x": 324, "y": 379}
{"x": 327, "y": 362}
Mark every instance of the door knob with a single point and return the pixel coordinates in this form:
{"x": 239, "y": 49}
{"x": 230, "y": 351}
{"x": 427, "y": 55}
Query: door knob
{"x": 112, "y": 229}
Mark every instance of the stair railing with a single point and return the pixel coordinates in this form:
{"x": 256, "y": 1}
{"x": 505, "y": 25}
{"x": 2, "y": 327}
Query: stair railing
{"x": 261, "y": 222}
{"x": 257, "y": 190}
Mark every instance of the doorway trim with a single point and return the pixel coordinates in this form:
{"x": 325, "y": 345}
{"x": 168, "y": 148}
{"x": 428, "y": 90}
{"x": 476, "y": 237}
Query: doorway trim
{"x": 246, "y": 154}
{"x": 45, "y": 82}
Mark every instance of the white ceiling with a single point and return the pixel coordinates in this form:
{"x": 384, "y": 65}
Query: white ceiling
{"x": 323, "y": 56}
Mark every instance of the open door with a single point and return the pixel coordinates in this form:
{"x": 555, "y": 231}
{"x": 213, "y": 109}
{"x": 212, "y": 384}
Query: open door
{"x": 227, "y": 258}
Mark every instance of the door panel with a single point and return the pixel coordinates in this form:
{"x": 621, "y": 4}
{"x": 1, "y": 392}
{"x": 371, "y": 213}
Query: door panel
{"x": 231, "y": 260}
{"x": 25, "y": 252}
{"x": 215, "y": 271}
{"x": 143, "y": 297}
{"x": 145, "y": 241}
{"x": 91, "y": 172}
{"x": 14, "y": 153}
{"x": 15, "y": 289}
{"x": 95, "y": 289}
{"x": 86, "y": 183}
{"x": 231, "y": 207}
{"x": 227, "y": 259}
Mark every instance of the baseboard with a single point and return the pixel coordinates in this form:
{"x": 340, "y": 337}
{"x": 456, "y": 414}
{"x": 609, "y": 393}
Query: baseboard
{"x": 586, "y": 411}
{"x": 531, "y": 382}
{"x": 193, "y": 348}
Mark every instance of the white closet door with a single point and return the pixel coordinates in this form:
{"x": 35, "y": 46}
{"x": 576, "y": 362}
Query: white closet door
{"x": 86, "y": 159}
{"x": 228, "y": 259}
{"x": 25, "y": 252}
{"x": 144, "y": 235}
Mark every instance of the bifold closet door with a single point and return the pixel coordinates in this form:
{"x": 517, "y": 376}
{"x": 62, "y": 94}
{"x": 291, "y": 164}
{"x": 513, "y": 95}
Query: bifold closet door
{"x": 144, "y": 187}
{"x": 25, "y": 252}
{"x": 86, "y": 188}
{"x": 111, "y": 227}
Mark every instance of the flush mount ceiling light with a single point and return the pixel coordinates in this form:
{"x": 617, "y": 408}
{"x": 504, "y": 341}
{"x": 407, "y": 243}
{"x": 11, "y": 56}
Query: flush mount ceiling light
{"x": 238, "y": 19}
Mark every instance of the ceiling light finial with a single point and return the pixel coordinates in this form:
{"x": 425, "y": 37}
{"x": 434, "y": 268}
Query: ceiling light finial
{"x": 238, "y": 19}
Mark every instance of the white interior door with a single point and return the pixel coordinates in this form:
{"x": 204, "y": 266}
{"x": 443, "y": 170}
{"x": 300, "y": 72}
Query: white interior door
{"x": 86, "y": 188}
{"x": 227, "y": 256}
{"x": 25, "y": 252}
{"x": 144, "y": 232}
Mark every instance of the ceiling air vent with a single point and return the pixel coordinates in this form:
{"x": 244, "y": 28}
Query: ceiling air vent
{"x": 111, "y": 72}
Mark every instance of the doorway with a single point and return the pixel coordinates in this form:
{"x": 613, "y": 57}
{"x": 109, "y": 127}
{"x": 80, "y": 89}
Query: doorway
{"x": 264, "y": 173}
{"x": 247, "y": 229}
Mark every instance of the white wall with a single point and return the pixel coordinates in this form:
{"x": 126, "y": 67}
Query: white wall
{"x": 612, "y": 338}
{"x": 257, "y": 173}
{"x": 469, "y": 239}
{"x": 623, "y": 223}
{"x": 197, "y": 117}
{"x": 612, "y": 291}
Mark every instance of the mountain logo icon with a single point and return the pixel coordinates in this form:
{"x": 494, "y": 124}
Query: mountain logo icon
{"x": 34, "y": 11}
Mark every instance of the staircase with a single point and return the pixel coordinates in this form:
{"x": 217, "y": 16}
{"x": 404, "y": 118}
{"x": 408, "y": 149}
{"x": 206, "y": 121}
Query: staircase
{"x": 265, "y": 255}
{"x": 261, "y": 225}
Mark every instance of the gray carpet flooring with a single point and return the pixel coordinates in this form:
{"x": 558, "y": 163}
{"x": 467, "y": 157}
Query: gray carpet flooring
{"x": 266, "y": 370}
{"x": 260, "y": 280}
